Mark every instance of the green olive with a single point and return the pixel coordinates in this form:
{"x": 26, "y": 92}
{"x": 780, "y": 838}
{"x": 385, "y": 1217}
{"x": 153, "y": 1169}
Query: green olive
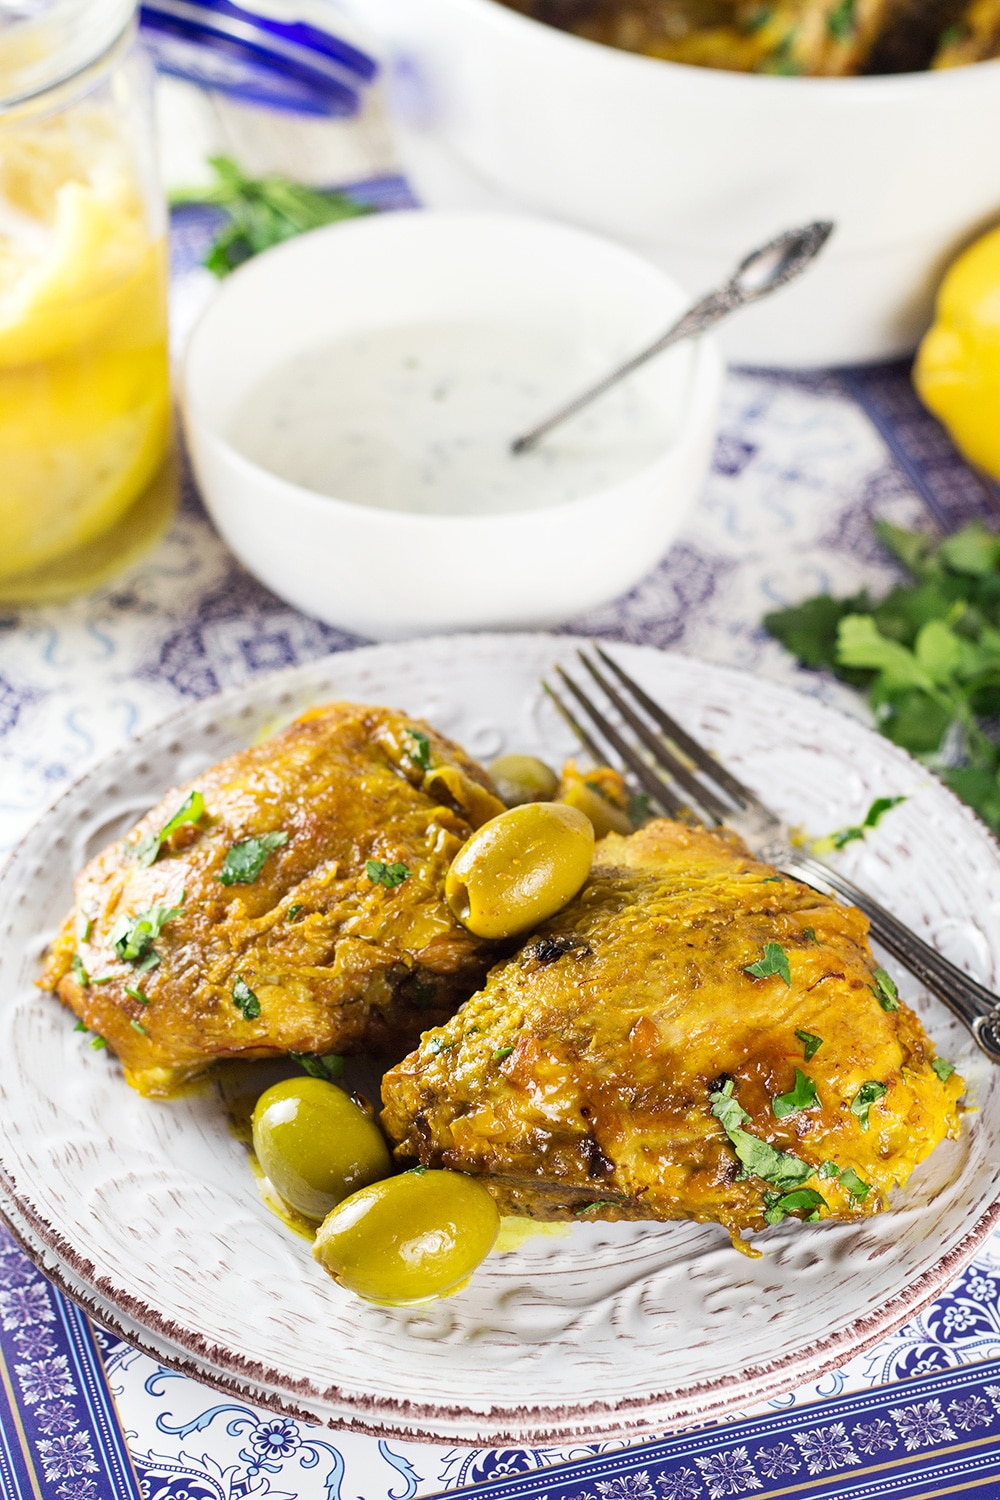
{"x": 520, "y": 868}
{"x": 410, "y": 1238}
{"x": 315, "y": 1145}
{"x": 523, "y": 778}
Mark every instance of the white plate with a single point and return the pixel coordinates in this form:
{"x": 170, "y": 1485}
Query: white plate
{"x": 149, "y": 1214}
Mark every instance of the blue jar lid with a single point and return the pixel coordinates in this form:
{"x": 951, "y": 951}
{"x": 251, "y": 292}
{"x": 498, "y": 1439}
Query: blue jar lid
{"x": 285, "y": 65}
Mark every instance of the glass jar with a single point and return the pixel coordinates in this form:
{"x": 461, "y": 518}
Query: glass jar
{"x": 86, "y": 468}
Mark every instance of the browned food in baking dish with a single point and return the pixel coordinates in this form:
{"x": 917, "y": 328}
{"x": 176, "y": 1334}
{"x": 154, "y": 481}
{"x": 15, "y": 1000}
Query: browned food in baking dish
{"x": 694, "y": 1037}
{"x": 290, "y": 899}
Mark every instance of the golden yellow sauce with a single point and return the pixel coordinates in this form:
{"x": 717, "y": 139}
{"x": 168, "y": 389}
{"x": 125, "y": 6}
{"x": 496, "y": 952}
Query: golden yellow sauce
{"x": 85, "y": 415}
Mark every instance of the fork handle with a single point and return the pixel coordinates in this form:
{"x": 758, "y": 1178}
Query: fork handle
{"x": 970, "y": 1001}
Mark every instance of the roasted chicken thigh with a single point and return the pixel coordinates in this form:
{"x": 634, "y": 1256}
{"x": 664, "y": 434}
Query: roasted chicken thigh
{"x": 694, "y": 1037}
{"x": 289, "y": 900}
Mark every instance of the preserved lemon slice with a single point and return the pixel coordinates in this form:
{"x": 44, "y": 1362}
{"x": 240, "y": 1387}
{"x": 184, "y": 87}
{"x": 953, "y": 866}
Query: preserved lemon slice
{"x": 84, "y": 379}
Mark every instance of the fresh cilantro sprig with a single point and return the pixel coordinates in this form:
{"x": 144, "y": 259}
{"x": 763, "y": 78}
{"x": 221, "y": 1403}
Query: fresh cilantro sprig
{"x": 420, "y": 749}
{"x": 245, "y": 860}
{"x": 865, "y": 1098}
{"x": 388, "y": 875}
{"x": 245, "y": 1000}
{"x": 191, "y": 810}
{"x": 943, "y": 1068}
{"x": 811, "y": 1043}
{"x": 327, "y": 1065}
{"x": 884, "y": 989}
{"x": 775, "y": 961}
{"x": 133, "y": 937}
{"x": 805, "y": 1201}
{"x": 779, "y": 1168}
{"x": 802, "y": 1096}
{"x": 841, "y": 837}
{"x": 928, "y": 654}
{"x": 261, "y": 212}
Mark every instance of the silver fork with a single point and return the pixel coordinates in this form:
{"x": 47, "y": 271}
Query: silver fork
{"x": 684, "y": 780}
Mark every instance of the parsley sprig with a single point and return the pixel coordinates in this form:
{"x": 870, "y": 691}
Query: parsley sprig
{"x": 775, "y": 961}
{"x": 884, "y": 989}
{"x": 245, "y": 860}
{"x": 388, "y": 875}
{"x": 133, "y": 937}
{"x": 841, "y": 837}
{"x": 245, "y": 1000}
{"x": 191, "y": 810}
{"x": 928, "y": 655}
{"x": 802, "y": 1096}
{"x": 865, "y": 1098}
{"x": 811, "y": 1043}
{"x": 261, "y": 212}
{"x": 779, "y": 1168}
{"x": 328, "y": 1065}
{"x": 420, "y": 749}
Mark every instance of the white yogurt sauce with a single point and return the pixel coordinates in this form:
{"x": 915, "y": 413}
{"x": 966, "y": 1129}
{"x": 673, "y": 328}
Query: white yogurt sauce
{"x": 420, "y": 418}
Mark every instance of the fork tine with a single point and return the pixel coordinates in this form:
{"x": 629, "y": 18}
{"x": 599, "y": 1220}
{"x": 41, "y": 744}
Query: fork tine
{"x": 665, "y": 758}
{"x": 653, "y": 784}
{"x": 706, "y": 763}
{"x": 596, "y": 754}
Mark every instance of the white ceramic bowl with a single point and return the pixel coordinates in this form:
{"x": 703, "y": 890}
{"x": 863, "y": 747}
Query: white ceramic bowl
{"x": 695, "y": 167}
{"x": 386, "y": 574}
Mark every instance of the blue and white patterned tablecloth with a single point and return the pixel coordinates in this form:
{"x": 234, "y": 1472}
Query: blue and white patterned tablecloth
{"x": 801, "y": 466}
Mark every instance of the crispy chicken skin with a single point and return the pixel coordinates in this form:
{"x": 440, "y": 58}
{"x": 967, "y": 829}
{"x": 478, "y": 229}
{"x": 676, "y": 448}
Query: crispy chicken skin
{"x": 337, "y": 961}
{"x": 580, "y": 1080}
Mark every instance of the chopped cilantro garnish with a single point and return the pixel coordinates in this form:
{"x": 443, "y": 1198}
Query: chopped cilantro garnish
{"x": 245, "y": 1000}
{"x": 138, "y": 1026}
{"x": 79, "y": 972}
{"x": 135, "y": 994}
{"x": 802, "y": 1096}
{"x": 501, "y": 1053}
{"x": 422, "y": 751}
{"x": 133, "y": 937}
{"x": 415, "y": 1171}
{"x": 436, "y": 1046}
{"x": 245, "y": 860}
{"x": 811, "y": 1043}
{"x": 884, "y": 990}
{"x": 588, "y": 1208}
{"x": 844, "y": 836}
{"x": 829, "y": 1169}
{"x": 810, "y": 933}
{"x": 388, "y": 875}
{"x": 98, "y": 1043}
{"x": 293, "y": 911}
{"x": 800, "y": 1200}
{"x": 424, "y": 991}
{"x": 775, "y": 961}
{"x": 943, "y": 1068}
{"x": 191, "y": 810}
{"x": 772, "y": 880}
{"x": 639, "y": 809}
{"x": 80, "y": 1027}
{"x": 328, "y": 1065}
{"x": 854, "y": 1185}
{"x": 841, "y": 22}
{"x": 148, "y": 961}
{"x": 865, "y": 1098}
{"x": 776, "y": 1167}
